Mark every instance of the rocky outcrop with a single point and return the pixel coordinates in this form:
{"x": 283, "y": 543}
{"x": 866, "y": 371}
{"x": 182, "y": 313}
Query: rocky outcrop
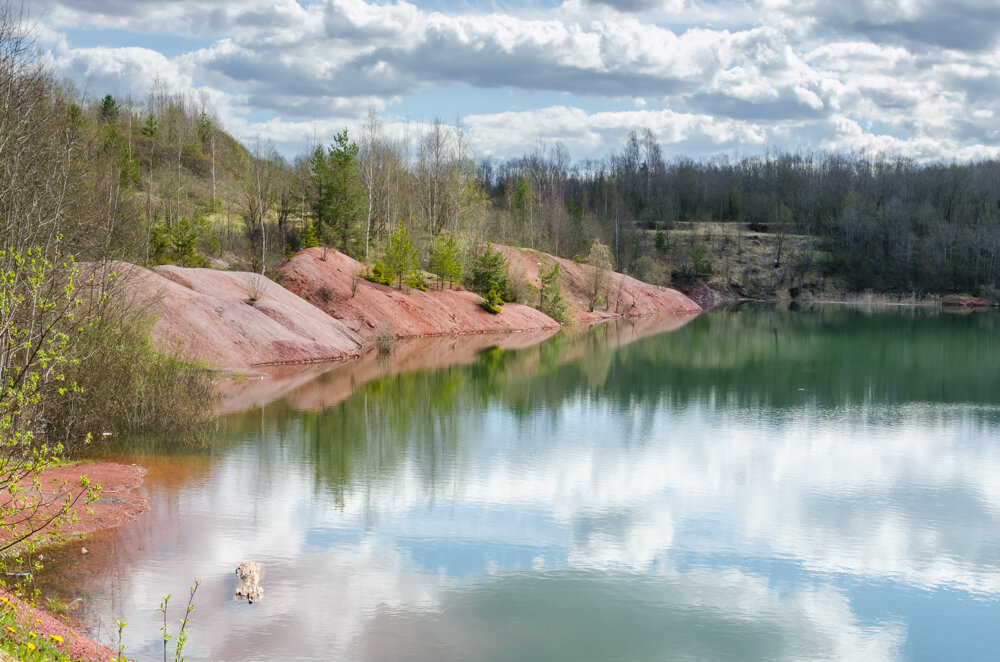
{"x": 233, "y": 320}
{"x": 704, "y": 296}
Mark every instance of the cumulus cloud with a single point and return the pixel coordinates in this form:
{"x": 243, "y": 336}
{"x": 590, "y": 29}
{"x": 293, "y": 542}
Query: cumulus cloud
{"x": 910, "y": 75}
{"x": 128, "y": 71}
{"x": 958, "y": 24}
{"x": 587, "y": 134}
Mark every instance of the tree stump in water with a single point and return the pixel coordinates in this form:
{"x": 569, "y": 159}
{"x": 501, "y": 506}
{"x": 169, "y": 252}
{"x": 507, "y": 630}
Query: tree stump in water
{"x": 248, "y": 576}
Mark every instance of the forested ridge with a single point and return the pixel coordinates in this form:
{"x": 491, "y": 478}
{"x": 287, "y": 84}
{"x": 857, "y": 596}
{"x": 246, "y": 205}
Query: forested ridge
{"x": 840, "y": 222}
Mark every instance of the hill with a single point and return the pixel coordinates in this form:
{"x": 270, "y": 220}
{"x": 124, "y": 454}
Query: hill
{"x": 332, "y": 281}
{"x": 233, "y": 320}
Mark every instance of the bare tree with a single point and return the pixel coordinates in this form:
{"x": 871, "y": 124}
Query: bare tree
{"x": 259, "y": 185}
{"x": 433, "y": 165}
{"x": 371, "y": 155}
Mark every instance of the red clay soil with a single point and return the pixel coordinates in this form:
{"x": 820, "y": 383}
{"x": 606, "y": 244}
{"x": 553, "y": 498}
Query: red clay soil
{"x": 119, "y": 501}
{"x": 623, "y": 295}
{"x": 962, "y": 301}
{"x": 408, "y": 313}
{"x": 234, "y": 320}
{"x": 327, "y": 283}
{"x": 78, "y": 646}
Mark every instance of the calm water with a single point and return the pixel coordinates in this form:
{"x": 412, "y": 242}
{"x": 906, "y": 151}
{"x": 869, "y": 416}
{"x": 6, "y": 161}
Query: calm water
{"x": 753, "y": 485}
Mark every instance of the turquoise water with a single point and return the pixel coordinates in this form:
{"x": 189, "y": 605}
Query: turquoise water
{"x": 757, "y": 484}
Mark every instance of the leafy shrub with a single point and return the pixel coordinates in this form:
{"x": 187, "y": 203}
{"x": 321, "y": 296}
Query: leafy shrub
{"x": 492, "y": 301}
{"x": 374, "y": 274}
{"x": 416, "y": 280}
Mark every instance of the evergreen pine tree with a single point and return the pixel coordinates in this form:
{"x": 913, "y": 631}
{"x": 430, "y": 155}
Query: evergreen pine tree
{"x": 400, "y": 257}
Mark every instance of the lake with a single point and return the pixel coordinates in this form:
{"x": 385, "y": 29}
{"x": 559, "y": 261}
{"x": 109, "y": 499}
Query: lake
{"x": 750, "y": 484}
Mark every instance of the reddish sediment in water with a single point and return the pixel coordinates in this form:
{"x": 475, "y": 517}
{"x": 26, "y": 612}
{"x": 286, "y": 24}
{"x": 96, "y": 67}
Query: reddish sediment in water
{"x": 118, "y": 502}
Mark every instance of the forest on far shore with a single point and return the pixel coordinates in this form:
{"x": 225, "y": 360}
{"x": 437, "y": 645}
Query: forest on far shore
{"x": 751, "y": 226}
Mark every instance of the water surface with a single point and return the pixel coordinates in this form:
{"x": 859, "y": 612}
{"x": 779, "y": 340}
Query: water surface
{"x": 755, "y": 484}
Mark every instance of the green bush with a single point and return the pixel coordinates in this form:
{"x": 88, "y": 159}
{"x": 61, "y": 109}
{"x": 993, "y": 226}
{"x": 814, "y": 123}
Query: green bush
{"x": 416, "y": 280}
{"x": 489, "y": 271}
{"x": 127, "y": 388}
{"x": 309, "y": 237}
{"x": 375, "y": 274}
{"x": 661, "y": 242}
{"x": 492, "y": 301}
{"x": 550, "y": 296}
{"x": 446, "y": 259}
{"x": 399, "y": 259}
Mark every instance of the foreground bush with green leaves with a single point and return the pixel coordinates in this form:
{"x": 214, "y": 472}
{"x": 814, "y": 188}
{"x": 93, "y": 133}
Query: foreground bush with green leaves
{"x": 74, "y": 360}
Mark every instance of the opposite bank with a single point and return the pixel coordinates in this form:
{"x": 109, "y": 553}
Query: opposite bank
{"x": 323, "y": 310}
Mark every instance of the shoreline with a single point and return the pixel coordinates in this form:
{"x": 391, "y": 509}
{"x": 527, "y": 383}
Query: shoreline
{"x": 119, "y": 502}
{"x": 321, "y": 310}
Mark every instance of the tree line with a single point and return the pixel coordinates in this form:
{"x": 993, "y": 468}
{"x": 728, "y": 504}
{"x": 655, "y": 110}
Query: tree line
{"x": 882, "y": 223}
{"x": 888, "y": 224}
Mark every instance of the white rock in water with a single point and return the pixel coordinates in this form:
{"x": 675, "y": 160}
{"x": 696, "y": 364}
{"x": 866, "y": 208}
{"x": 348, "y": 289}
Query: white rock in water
{"x": 248, "y": 575}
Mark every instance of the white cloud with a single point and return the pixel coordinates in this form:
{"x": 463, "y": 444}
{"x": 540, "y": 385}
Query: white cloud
{"x": 780, "y": 71}
{"x": 587, "y": 134}
{"x": 128, "y": 71}
{"x": 958, "y": 24}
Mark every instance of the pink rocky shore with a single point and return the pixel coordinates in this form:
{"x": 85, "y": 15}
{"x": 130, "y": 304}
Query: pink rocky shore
{"x": 324, "y": 311}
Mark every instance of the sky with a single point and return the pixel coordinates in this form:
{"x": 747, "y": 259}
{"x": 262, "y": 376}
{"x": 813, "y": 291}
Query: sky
{"x": 913, "y": 78}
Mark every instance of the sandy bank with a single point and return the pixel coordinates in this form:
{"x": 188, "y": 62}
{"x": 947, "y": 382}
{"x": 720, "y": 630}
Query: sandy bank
{"x": 118, "y": 501}
{"x": 329, "y": 280}
{"x": 323, "y": 310}
{"x": 78, "y": 646}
